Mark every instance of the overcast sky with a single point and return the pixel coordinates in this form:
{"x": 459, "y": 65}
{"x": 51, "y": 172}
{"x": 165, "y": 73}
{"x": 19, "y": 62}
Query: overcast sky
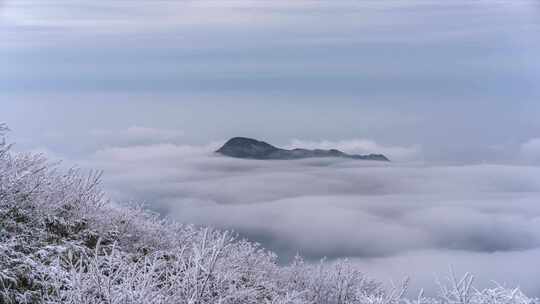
{"x": 458, "y": 80}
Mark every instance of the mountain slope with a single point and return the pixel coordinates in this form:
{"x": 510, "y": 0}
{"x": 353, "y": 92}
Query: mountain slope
{"x": 248, "y": 148}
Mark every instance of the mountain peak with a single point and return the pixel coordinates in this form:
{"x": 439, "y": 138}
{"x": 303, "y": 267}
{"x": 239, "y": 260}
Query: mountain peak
{"x": 249, "y": 148}
{"x": 245, "y": 142}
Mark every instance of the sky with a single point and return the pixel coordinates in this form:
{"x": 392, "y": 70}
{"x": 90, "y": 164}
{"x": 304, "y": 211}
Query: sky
{"x": 457, "y": 79}
{"x": 448, "y": 90}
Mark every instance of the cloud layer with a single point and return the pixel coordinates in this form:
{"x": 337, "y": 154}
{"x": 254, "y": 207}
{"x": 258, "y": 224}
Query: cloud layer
{"x": 393, "y": 219}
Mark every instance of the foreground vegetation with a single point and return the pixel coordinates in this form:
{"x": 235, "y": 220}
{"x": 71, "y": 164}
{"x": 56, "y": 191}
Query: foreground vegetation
{"x": 62, "y": 241}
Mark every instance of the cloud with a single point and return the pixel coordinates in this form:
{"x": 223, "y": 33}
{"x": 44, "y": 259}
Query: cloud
{"x": 362, "y": 146}
{"x": 110, "y": 142}
{"x": 392, "y": 218}
{"x": 137, "y": 135}
{"x": 138, "y": 15}
{"x": 530, "y": 151}
{"x": 510, "y": 268}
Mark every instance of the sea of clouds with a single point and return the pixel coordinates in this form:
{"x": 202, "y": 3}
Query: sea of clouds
{"x": 394, "y": 219}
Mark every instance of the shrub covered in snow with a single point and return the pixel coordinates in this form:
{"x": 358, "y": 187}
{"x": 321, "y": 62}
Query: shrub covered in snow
{"x": 62, "y": 241}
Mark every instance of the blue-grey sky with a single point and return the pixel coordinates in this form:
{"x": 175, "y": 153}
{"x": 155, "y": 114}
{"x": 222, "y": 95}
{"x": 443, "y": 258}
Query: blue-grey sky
{"x": 456, "y": 79}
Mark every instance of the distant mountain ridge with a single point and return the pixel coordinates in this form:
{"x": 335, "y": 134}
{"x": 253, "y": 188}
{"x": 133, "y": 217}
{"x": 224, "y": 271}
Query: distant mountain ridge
{"x": 248, "y": 148}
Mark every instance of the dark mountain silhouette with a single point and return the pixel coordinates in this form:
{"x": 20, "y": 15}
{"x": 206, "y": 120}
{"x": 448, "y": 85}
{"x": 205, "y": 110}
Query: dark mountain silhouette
{"x": 248, "y": 148}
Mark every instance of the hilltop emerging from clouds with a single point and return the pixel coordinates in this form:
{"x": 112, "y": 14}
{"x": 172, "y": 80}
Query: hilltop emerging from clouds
{"x": 242, "y": 147}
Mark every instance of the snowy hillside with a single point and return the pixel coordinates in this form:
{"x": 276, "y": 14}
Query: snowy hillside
{"x": 62, "y": 241}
